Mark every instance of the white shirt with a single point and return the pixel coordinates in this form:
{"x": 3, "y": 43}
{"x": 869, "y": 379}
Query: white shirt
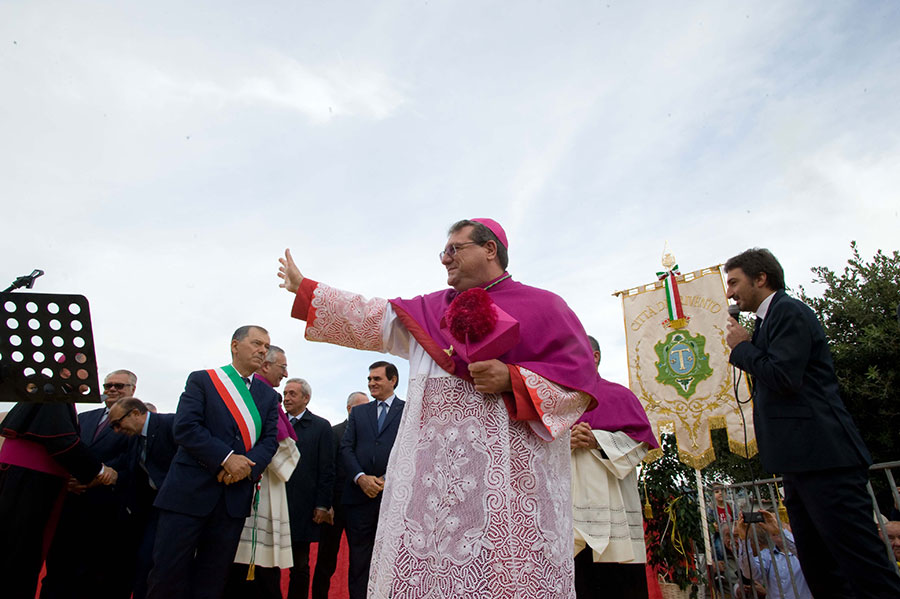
{"x": 387, "y": 401}
{"x": 763, "y": 308}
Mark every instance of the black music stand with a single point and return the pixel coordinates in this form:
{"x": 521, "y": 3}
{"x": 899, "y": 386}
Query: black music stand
{"x": 47, "y": 349}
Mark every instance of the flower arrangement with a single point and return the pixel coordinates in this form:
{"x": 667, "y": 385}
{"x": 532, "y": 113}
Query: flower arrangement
{"x": 671, "y": 518}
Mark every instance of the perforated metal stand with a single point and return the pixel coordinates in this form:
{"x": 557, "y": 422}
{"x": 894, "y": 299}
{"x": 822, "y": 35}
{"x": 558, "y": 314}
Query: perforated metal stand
{"x": 47, "y": 349}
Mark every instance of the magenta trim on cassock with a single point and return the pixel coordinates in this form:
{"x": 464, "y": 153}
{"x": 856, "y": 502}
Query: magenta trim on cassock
{"x": 285, "y": 429}
{"x": 552, "y": 343}
{"x": 617, "y": 394}
{"x": 31, "y": 455}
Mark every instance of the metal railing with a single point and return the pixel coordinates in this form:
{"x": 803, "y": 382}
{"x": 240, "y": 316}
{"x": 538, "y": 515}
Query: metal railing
{"x": 729, "y": 553}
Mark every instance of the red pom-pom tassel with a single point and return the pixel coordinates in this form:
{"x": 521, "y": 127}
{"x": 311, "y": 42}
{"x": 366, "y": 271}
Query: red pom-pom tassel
{"x": 471, "y": 315}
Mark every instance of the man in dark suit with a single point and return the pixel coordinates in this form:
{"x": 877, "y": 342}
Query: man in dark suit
{"x": 366, "y": 447}
{"x": 804, "y": 432}
{"x": 150, "y": 454}
{"x": 87, "y": 558}
{"x": 330, "y": 534}
{"x": 266, "y": 581}
{"x": 309, "y": 489}
{"x": 225, "y": 428}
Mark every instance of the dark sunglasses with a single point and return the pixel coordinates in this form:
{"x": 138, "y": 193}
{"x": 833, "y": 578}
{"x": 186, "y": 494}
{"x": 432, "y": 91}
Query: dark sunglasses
{"x": 117, "y": 423}
{"x": 116, "y": 386}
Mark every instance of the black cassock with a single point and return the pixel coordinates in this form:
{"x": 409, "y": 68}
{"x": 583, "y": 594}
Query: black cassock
{"x": 44, "y": 436}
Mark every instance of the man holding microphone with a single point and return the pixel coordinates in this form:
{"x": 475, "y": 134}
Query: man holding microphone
{"x": 805, "y": 432}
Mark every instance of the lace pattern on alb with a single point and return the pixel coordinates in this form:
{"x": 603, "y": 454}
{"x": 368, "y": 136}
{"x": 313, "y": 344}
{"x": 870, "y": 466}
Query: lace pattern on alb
{"x": 560, "y": 407}
{"x": 346, "y": 319}
{"x": 475, "y": 505}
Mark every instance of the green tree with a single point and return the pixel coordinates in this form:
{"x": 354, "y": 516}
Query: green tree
{"x": 730, "y": 467}
{"x": 859, "y": 312}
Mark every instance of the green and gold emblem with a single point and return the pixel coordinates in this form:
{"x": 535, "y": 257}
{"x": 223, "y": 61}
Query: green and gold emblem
{"x": 682, "y": 362}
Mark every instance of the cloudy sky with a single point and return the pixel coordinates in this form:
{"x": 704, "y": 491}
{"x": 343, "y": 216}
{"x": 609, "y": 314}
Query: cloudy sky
{"x": 157, "y": 157}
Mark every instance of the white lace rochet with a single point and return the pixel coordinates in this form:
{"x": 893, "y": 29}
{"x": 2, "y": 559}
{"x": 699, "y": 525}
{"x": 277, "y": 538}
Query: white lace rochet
{"x": 475, "y": 505}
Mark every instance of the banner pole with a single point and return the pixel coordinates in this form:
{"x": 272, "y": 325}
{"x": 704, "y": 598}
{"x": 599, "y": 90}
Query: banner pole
{"x": 704, "y": 522}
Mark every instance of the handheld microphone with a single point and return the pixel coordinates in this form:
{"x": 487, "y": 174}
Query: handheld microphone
{"x": 734, "y": 311}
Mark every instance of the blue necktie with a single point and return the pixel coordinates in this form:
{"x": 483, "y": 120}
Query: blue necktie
{"x": 382, "y": 414}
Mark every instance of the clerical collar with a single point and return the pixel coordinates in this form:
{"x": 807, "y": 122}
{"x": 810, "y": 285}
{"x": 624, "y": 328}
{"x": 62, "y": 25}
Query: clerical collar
{"x": 764, "y": 306}
{"x": 499, "y": 279}
{"x": 387, "y": 401}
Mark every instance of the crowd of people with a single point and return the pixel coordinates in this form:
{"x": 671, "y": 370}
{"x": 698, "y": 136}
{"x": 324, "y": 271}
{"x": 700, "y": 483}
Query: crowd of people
{"x": 509, "y": 457}
{"x": 761, "y": 559}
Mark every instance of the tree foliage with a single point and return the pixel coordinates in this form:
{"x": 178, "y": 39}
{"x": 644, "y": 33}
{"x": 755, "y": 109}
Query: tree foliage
{"x": 730, "y": 467}
{"x": 859, "y": 312}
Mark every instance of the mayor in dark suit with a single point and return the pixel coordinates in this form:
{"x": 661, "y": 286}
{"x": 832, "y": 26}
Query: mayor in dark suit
{"x": 88, "y": 555}
{"x": 150, "y": 452}
{"x": 365, "y": 448}
{"x": 225, "y": 427}
{"x": 805, "y": 433}
{"x": 309, "y": 488}
{"x": 330, "y": 533}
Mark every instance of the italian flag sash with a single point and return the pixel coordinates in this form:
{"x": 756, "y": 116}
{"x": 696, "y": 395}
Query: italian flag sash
{"x": 237, "y": 399}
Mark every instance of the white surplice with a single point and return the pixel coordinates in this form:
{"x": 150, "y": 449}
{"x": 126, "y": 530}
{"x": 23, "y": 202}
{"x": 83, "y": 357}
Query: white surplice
{"x": 272, "y": 522}
{"x": 606, "y": 503}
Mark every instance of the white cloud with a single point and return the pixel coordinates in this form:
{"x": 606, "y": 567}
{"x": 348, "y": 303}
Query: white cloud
{"x": 150, "y": 151}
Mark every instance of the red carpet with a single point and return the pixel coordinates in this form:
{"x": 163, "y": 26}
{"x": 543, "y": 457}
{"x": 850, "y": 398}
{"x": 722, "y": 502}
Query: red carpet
{"x": 338, "y": 588}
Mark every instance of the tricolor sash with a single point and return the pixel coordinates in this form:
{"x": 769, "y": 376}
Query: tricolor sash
{"x": 239, "y": 402}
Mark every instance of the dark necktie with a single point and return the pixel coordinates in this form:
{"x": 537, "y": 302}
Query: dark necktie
{"x": 143, "y": 462}
{"x": 101, "y": 426}
{"x": 382, "y": 414}
{"x": 294, "y": 420}
{"x": 246, "y": 380}
{"x": 756, "y": 329}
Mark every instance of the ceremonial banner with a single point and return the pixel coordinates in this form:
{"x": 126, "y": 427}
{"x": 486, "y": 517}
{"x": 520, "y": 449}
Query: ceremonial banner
{"x": 678, "y": 362}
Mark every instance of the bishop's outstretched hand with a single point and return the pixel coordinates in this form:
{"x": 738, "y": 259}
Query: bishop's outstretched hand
{"x": 289, "y": 273}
